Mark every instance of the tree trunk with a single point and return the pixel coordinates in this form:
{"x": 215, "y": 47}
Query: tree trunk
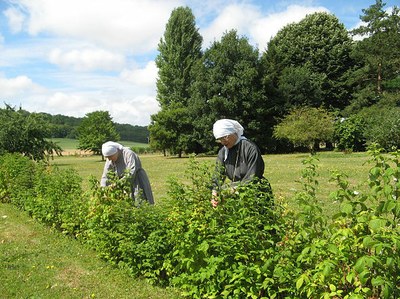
{"x": 379, "y": 77}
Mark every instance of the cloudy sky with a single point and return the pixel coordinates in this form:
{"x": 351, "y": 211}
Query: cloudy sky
{"x": 72, "y": 57}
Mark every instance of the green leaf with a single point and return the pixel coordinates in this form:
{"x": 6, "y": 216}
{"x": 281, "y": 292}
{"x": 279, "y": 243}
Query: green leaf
{"x": 364, "y": 276}
{"x": 346, "y": 208}
{"x": 389, "y": 262}
{"x": 203, "y": 247}
{"x": 377, "y": 281}
{"x": 374, "y": 173}
{"x": 333, "y": 248}
{"x": 376, "y": 224}
{"x": 299, "y": 282}
{"x": 390, "y": 205}
{"x": 350, "y": 277}
{"x": 369, "y": 242}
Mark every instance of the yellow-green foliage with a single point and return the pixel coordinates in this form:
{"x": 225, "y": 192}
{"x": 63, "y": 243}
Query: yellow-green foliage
{"x": 252, "y": 245}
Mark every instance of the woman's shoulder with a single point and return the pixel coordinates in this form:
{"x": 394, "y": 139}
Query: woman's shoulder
{"x": 248, "y": 144}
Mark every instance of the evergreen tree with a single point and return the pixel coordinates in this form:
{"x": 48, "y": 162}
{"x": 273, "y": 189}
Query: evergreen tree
{"x": 378, "y": 51}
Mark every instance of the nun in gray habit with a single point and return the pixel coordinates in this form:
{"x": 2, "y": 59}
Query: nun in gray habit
{"x": 239, "y": 159}
{"x": 120, "y": 159}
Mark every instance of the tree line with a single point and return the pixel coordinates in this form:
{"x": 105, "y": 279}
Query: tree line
{"x": 345, "y": 83}
{"x": 62, "y": 126}
{"x": 31, "y": 133}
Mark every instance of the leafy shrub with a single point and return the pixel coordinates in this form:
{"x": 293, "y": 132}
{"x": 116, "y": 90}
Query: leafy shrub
{"x": 224, "y": 252}
{"x": 249, "y": 246}
{"x": 58, "y": 199}
{"x": 16, "y": 178}
{"x": 49, "y": 194}
{"x": 354, "y": 254}
{"x": 382, "y": 126}
{"x": 349, "y": 134}
{"x": 129, "y": 234}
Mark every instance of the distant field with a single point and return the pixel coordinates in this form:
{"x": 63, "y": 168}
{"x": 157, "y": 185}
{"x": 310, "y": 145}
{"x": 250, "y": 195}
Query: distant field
{"x": 70, "y": 146}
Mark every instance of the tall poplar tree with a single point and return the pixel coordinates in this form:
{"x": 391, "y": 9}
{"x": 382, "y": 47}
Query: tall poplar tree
{"x": 179, "y": 50}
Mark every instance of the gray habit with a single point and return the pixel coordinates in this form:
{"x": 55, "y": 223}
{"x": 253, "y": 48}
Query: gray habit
{"x": 243, "y": 163}
{"x": 129, "y": 160}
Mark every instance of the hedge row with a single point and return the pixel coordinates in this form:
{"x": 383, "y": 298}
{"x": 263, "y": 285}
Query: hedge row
{"x": 250, "y": 246}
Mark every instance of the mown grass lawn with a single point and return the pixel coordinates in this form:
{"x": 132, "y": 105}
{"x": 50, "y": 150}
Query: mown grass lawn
{"x": 38, "y": 262}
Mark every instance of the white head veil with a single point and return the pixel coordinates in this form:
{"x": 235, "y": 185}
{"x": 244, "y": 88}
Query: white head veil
{"x": 110, "y": 148}
{"x": 224, "y": 127}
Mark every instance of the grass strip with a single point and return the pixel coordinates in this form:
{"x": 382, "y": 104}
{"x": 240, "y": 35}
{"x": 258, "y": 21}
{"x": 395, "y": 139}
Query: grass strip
{"x": 39, "y": 262}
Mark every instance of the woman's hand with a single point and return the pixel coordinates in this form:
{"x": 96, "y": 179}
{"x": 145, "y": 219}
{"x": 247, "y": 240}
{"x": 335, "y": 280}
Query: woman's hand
{"x": 214, "y": 198}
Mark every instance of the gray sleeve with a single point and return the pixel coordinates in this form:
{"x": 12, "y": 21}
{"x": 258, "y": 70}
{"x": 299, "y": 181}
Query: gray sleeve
{"x": 132, "y": 164}
{"x": 103, "y": 181}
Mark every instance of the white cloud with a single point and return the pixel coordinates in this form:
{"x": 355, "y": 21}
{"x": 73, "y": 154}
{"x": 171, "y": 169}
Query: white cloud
{"x": 135, "y": 110}
{"x": 15, "y": 19}
{"x": 145, "y": 77}
{"x": 235, "y": 16}
{"x": 126, "y": 102}
{"x": 17, "y": 86}
{"x": 248, "y": 21}
{"x": 137, "y": 24}
{"x": 87, "y": 59}
{"x": 69, "y": 102}
{"x": 267, "y": 27}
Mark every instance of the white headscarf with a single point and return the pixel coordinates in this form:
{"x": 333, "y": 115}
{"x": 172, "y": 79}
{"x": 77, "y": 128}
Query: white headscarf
{"x": 224, "y": 127}
{"x": 110, "y": 148}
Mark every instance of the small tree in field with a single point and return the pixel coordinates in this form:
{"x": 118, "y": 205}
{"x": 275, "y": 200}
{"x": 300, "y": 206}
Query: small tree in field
{"x": 95, "y": 129}
{"x": 306, "y": 126}
{"x": 25, "y": 133}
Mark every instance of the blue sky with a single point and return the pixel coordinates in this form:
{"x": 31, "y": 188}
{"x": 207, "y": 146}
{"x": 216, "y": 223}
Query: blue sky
{"x": 73, "y": 57}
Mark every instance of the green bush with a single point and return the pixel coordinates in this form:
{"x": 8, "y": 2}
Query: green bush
{"x": 354, "y": 254}
{"x": 49, "y": 194}
{"x": 349, "y": 134}
{"x": 58, "y": 199}
{"x": 17, "y": 177}
{"x": 249, "y": 246}
{"x": 382, "y": 126}
{"x": 224, "y": 251}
